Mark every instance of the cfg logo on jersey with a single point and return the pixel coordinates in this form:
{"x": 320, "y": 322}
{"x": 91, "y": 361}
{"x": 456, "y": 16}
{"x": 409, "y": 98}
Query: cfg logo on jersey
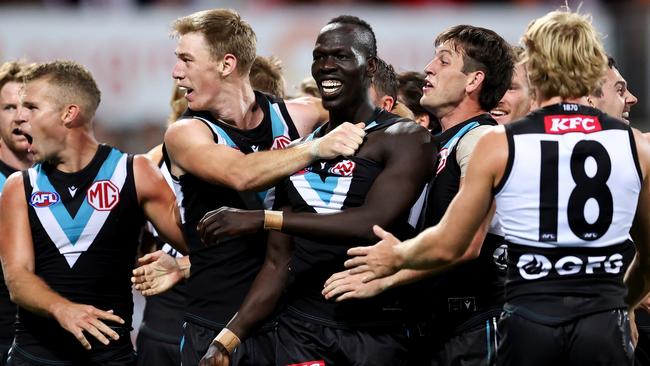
{"x": 535, "y": 266}
{"x": 44, "y": 199}
{"x": 103, "y": 195}
{"x": 571, "y": 123}
{"x": 280, "y": 142}
{"x": 344, "y": 168}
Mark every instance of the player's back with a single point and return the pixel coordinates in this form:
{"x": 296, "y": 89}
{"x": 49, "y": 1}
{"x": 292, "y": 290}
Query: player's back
{"x": 566, "y": 204}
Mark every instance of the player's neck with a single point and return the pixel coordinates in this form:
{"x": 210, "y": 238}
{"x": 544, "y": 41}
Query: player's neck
{"x": 555, "y": 100}
{"x": 361, "y": 112}
{"x": 458, "y": 114}
{"x": 237, "y": 106}
{"x": 80, "y": 150}
{"x": 17, "y": 160}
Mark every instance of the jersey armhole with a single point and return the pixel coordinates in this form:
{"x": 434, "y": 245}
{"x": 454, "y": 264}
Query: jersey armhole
{"x": 635, "y": 155}
{"x": 511, "y": 157}
{"x": 293, "y": 131}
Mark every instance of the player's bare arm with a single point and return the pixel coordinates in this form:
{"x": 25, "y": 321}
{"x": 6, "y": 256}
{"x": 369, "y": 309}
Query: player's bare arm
{"x": 261, "y": 300}
{"x": 158, "y": 202}
{"x": 637, "y": 278}
{"x": 407, "y": 154}
{"x": 446, "y": 242}
{"x": 192, "y": 147}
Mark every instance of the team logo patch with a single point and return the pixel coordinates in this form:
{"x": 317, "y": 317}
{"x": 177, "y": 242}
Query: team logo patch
{"x": 309, "y": 363}
{"x": 344, "y": 168}
{"x": 442, "y": 159}
{"x": 103, "y": 195}
{"x": 44, "y": 199}
{"x": 280, "y": 142}
{"x": 562, "y": 124}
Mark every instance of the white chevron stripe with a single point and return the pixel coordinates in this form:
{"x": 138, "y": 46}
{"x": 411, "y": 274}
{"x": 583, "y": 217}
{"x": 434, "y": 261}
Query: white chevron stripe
{"x": 97, "y": 219}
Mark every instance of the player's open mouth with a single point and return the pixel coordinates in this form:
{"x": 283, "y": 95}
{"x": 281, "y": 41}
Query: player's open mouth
{"x": 187, "y": 90}
{"x": 330, "y": 87}
{"x": 499, "y": 112}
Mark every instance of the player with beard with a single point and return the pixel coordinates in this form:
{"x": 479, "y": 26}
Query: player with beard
{"x": 14, "y": 156}
{"x": 328, "y": 207}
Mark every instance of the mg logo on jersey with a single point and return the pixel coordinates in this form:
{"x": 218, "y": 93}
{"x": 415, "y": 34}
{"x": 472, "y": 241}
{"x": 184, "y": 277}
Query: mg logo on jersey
{"x": 535, "y": 266}
{"x": 280, "y": 142}
{"x": 344, "y": 168}
{"x": 571, "y": 123}
{"x": 44, "y": 199}
{"x": 103, "y": 195}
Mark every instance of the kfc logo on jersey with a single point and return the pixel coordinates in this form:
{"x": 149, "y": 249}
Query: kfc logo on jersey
{"x": 442, "y": 159}
{"x": 280, "y": 142}
{"x": 103, "y": 195}
{"x": 343, "y": 168}
{"x": 44, "y": 199}
{"x": 535, "y": 266}
{"x": 571, "y": 123}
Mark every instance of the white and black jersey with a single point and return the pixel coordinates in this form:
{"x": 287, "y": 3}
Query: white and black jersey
{"x": 566, "y": 204}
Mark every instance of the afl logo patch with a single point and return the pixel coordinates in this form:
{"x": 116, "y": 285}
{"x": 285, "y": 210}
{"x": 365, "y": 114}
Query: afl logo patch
{"x": 44, "y": 199}
{"x": 103, "y": 195}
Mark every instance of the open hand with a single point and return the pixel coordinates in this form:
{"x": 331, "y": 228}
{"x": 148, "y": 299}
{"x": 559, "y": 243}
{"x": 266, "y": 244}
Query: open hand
{"x": 79, "y": 318}
{"x": 158, "y": 272}
{"x": 377, "y": 261}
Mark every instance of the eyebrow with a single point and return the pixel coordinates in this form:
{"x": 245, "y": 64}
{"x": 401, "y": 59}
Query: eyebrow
{"x": 622, "y": 83}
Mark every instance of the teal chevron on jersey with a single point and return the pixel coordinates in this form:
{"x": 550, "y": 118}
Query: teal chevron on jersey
{"x": 74, "y": 235}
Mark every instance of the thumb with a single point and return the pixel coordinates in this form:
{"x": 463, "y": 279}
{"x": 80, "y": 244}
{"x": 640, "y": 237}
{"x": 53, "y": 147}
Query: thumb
{"x": 381, "y": 233}
{"x": 360, "y": 125}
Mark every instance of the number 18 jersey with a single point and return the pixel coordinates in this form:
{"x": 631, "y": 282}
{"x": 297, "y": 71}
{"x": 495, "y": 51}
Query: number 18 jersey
{"x": 566, "y": 203}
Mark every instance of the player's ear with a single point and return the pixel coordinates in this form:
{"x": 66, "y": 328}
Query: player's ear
{"x": 474, "y": 80}
{"x": 228, "y": 64}
{"x": 371, "y": 66}
{"x": 70, "y": 114}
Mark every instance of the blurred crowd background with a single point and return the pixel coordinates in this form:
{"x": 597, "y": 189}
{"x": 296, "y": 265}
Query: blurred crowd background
{"x": 126, "y": 43}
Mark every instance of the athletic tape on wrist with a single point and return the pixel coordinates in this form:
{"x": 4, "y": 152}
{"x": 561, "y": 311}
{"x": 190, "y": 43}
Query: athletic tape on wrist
{"x": 227, "y": 339}
{"x": 273, "y": 220}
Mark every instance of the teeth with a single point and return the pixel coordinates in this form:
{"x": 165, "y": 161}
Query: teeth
{"x": 626, "y": 115}
{"x": 330, "y": 83}
{"x": 498, "y": 113}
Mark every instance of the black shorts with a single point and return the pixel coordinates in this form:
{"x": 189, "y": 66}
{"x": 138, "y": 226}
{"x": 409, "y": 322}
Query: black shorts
{"x": 4, "y": 353}
{"x": 598, "y": 339}
{"x": 258, "y": 350}
{"x": 306, "y": 343}
{"x": 122, "y": 357}
{"x": 476, "y": 346}
{"x": 152, "y": 351}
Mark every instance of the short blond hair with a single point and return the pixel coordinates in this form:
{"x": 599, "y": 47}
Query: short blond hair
{"x": 564, "y": 55}
{"x": 74, "y": 84}
{"x": 225, "y": 33}
{"x": 10, "y": 71}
